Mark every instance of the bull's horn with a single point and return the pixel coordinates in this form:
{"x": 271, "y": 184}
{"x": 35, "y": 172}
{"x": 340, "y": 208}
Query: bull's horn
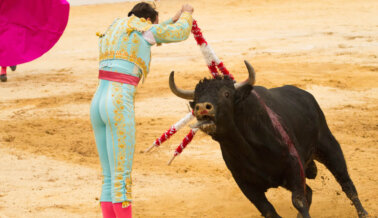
{"x": 251, "y": 76}
{"x": 179, "y": 92}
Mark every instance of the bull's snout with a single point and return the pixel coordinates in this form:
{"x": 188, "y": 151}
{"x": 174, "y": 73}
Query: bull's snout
{"x": 203, "y": 110}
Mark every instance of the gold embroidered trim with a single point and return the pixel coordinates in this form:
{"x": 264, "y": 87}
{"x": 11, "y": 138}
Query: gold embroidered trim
{"x": 125, "y": 56}
{"x": 126, "y": 204}
{"x": 121, "y": 135}
{"x": 123, "y": 113}
{"x": 138, "y": 24}
{"x": 188, "y": 17}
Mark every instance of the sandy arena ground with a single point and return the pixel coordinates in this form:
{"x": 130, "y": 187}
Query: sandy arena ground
{"x": 49, "y": 165}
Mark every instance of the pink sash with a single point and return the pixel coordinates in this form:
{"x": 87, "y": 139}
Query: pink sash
{"x": 118, "y": 77}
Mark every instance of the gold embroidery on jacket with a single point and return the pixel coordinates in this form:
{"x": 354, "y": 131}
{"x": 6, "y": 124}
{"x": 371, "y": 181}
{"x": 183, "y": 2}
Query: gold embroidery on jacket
{"x": 138, "y": 24}
{"x": 166, "y": 31}
{"x": 125, "y": 56}
{"x": 121, "y": 29}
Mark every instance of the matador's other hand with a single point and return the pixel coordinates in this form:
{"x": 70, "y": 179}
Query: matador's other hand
{"x": 187, "y": 8}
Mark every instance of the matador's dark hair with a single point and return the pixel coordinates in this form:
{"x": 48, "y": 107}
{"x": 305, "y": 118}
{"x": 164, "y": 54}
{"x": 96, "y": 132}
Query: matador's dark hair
{"x": 144, "y": 10}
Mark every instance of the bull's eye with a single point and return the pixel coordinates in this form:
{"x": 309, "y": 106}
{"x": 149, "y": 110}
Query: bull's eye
{"x": 197, "y": 107}
{"x": 226, "y": 94}
{"x": 209, "y": 106}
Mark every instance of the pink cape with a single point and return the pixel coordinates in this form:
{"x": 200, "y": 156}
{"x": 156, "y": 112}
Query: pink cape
{"x": 29, "y": 28}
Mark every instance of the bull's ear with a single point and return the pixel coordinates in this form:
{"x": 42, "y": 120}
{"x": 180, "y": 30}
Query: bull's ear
{"x": 243, "y": 92}
{"x": 191, "y": 103}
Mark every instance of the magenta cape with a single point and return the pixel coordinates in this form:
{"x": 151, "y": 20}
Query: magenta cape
{"x": 29, "y": 28}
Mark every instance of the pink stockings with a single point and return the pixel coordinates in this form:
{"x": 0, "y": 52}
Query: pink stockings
{"x": 122, "y": 212}
{"x": 107, "y": 210}
{"x": 110, "y": 210}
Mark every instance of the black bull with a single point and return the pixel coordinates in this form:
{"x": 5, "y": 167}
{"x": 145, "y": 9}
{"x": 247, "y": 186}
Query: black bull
{"x": 254, "y": 151}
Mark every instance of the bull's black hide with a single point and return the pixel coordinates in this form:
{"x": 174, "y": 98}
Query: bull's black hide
{"x": 252, "y": 148}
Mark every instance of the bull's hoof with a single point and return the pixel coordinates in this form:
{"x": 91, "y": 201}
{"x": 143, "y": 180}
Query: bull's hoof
{"x": 363, "y": 214}
{"x": 13, "y": 68}
{"x": 272, "y": 215}
{"x": 299, "y": 215}
{"x": 3, "y": 78}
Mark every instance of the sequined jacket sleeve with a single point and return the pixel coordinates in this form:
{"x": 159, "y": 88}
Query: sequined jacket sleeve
{"x": 169, "y": 21}
{"x": 174, "y": 32}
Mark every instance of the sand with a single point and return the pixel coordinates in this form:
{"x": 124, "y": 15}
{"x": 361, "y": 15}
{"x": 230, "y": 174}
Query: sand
{"x": 49, "y": 164}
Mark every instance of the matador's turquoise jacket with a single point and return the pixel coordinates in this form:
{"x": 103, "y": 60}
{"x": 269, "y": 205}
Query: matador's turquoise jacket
{"x": 124, "y": 40}
{"x": 125, "y": 48}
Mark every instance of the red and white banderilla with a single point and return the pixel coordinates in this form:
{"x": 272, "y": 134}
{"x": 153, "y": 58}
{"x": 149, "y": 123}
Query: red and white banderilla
{"x": 213, "y": 63}
{"x": 171, "y": 131}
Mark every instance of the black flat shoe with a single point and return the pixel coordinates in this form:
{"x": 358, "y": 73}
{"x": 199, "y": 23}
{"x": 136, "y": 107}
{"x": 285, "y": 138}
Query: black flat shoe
{"x": 3, "y": 78}
{"x": 13, "y": 68}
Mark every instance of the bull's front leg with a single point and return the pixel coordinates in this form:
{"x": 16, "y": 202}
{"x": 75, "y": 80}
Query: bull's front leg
{"x": 258, "y": 198}
{"x": 262, "y": 204}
